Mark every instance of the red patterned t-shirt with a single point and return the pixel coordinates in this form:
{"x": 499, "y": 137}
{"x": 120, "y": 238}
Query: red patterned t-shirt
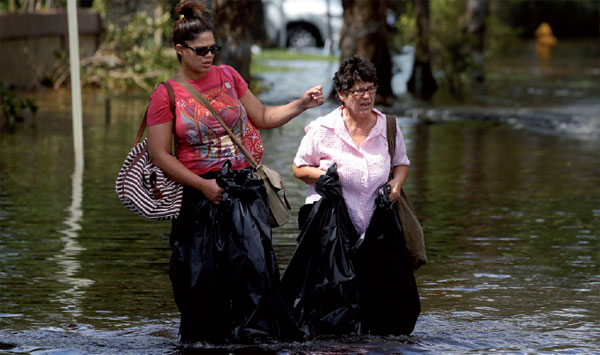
{"x": 202, "y": 143}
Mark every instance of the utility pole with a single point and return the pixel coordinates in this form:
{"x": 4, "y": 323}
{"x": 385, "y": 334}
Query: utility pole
{"x": 75, "y": 82}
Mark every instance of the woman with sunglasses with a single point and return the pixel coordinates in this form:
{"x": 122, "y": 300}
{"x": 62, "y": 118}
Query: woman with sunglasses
{"x": 215, "y": 301}
{"x": 352, "y": 139}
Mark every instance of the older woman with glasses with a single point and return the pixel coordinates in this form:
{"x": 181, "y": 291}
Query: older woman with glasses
{"x": 352, "y": 139}
{"x": 227, "y": 290}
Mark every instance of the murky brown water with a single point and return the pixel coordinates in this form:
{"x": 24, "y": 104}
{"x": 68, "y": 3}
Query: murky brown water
{"x": 512, "y": 220}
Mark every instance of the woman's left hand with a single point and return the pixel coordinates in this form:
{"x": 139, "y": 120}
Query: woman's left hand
{"x": 395, "y": 192}
{"x": 312, "y": 97}
{"x": 400, "y": 174}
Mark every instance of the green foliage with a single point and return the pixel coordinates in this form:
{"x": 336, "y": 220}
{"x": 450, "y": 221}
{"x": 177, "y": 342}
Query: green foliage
{"x": 100, "y": 7}
{"x": 568, "y": 18}
{"x": 14, "y": 108}
{"x": 451, "y": 47}
{"x": 55, "y": 76}
{"x": 132, "y": 55}
{"x": 499, "y": 37}
{"x": 406, "y": 28}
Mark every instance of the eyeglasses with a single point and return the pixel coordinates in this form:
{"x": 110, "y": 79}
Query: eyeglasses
{"x": 360, "y": 92}
{"x": 202, "y": 51}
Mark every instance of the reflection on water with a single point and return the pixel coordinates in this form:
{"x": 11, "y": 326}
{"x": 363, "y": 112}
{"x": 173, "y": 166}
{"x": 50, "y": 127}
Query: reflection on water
{"x": 511, "y": 219}
{"x": 67, "y": 259}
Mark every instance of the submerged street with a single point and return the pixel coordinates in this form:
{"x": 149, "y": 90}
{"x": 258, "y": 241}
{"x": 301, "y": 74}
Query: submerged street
{"x": 510, "y": 207}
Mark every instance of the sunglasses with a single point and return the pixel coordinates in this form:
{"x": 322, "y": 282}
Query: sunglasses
{"x": 202, "y": 51}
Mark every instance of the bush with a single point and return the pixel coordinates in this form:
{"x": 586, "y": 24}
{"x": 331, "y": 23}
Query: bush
{"x": 13, "y": 108}
{"x": 133, "y": 54}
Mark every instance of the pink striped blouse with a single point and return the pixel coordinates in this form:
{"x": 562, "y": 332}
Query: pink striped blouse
{"x": 362, "y": 170}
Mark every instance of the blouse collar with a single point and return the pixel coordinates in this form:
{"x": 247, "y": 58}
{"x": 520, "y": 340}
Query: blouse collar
{"x": 335, "y": 121}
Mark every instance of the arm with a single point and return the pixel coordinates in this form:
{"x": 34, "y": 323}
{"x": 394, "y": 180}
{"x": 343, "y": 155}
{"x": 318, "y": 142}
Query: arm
{"x": 399, "y": 176}
{"x": 276, "y": 116}
{"x": 159, "y": 146}
{"x": 308, "y": 174}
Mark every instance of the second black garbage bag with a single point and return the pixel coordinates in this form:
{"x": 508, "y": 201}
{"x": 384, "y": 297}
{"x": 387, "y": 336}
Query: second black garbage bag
{"x": 338, "y": 283}
{"x": 223, "y": 268}
{"x": 320, "y": 283}
{"x": 389, "y": 299}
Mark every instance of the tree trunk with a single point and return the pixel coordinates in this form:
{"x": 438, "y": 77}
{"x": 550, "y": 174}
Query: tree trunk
{"x": 421, "y": 82}
{"x": 476, "y": 14}
{"x": 364, "y": 33}
{"x": 158, "y": 33}
{"x": 233, "y": 28}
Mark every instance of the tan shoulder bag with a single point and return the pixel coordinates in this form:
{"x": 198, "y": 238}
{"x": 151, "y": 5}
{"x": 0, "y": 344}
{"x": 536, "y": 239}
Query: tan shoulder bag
{"x": 414, "y": 237}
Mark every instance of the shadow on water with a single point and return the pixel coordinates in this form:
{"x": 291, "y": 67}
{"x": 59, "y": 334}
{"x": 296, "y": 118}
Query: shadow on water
{"x": 512, "y": 219}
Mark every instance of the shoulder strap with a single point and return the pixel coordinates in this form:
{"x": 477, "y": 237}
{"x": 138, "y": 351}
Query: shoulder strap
{"x": 142, "y": 128}
{"x": 171, "y": 96}
{"x": 230, "y": 76}
{"x": 391, "y": 138}
{"x": 198, "y": 96}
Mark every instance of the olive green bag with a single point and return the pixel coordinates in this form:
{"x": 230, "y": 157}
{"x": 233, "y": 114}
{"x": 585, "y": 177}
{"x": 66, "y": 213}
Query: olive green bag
{"x": 280, "y": 209}
{"x": 414, "y": 237}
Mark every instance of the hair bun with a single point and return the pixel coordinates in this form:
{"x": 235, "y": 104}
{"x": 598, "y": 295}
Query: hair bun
{"x": 196, "y": 18}
{"x": 190, "y": 9}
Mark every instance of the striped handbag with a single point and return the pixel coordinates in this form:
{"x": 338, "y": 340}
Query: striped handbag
{"x": 143, "y": 187}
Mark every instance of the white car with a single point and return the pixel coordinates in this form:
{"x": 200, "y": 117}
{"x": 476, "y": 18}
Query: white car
{"x": 303, "y": 23}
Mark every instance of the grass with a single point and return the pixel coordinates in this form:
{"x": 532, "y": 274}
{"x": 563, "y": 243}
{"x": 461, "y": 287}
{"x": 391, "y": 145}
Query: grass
{"x": 259, "y": 66}
{"x": 285, "y": 54}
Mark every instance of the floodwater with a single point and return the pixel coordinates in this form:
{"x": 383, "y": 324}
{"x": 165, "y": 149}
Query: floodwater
{"x": 511, "y": 216}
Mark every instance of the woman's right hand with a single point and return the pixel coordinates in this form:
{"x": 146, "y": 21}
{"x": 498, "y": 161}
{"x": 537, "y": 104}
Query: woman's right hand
{"x": 159, "y": 144}
{"x": 212, "y": 191}
{"x": 308, "y": 174}
{"x": 313, "y": 97}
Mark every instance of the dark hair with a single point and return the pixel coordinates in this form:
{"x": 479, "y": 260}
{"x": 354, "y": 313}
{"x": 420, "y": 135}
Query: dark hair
{"x": 192, "y": 23}
{"x": 352, "y": 69}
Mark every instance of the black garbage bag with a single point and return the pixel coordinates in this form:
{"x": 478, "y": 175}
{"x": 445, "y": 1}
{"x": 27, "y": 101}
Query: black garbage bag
{"x": 319, "y": 283}
{"x": 389, "y": 300}
{"x": 223, "y": 269}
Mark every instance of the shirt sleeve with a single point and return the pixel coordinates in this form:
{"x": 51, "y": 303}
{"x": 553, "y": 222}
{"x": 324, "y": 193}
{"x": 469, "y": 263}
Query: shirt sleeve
{"x": 400, "y": 157}
{"x": 159, "y": 109}
{"x": 238, "y": 82}
{"x": 307, "y": 153}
